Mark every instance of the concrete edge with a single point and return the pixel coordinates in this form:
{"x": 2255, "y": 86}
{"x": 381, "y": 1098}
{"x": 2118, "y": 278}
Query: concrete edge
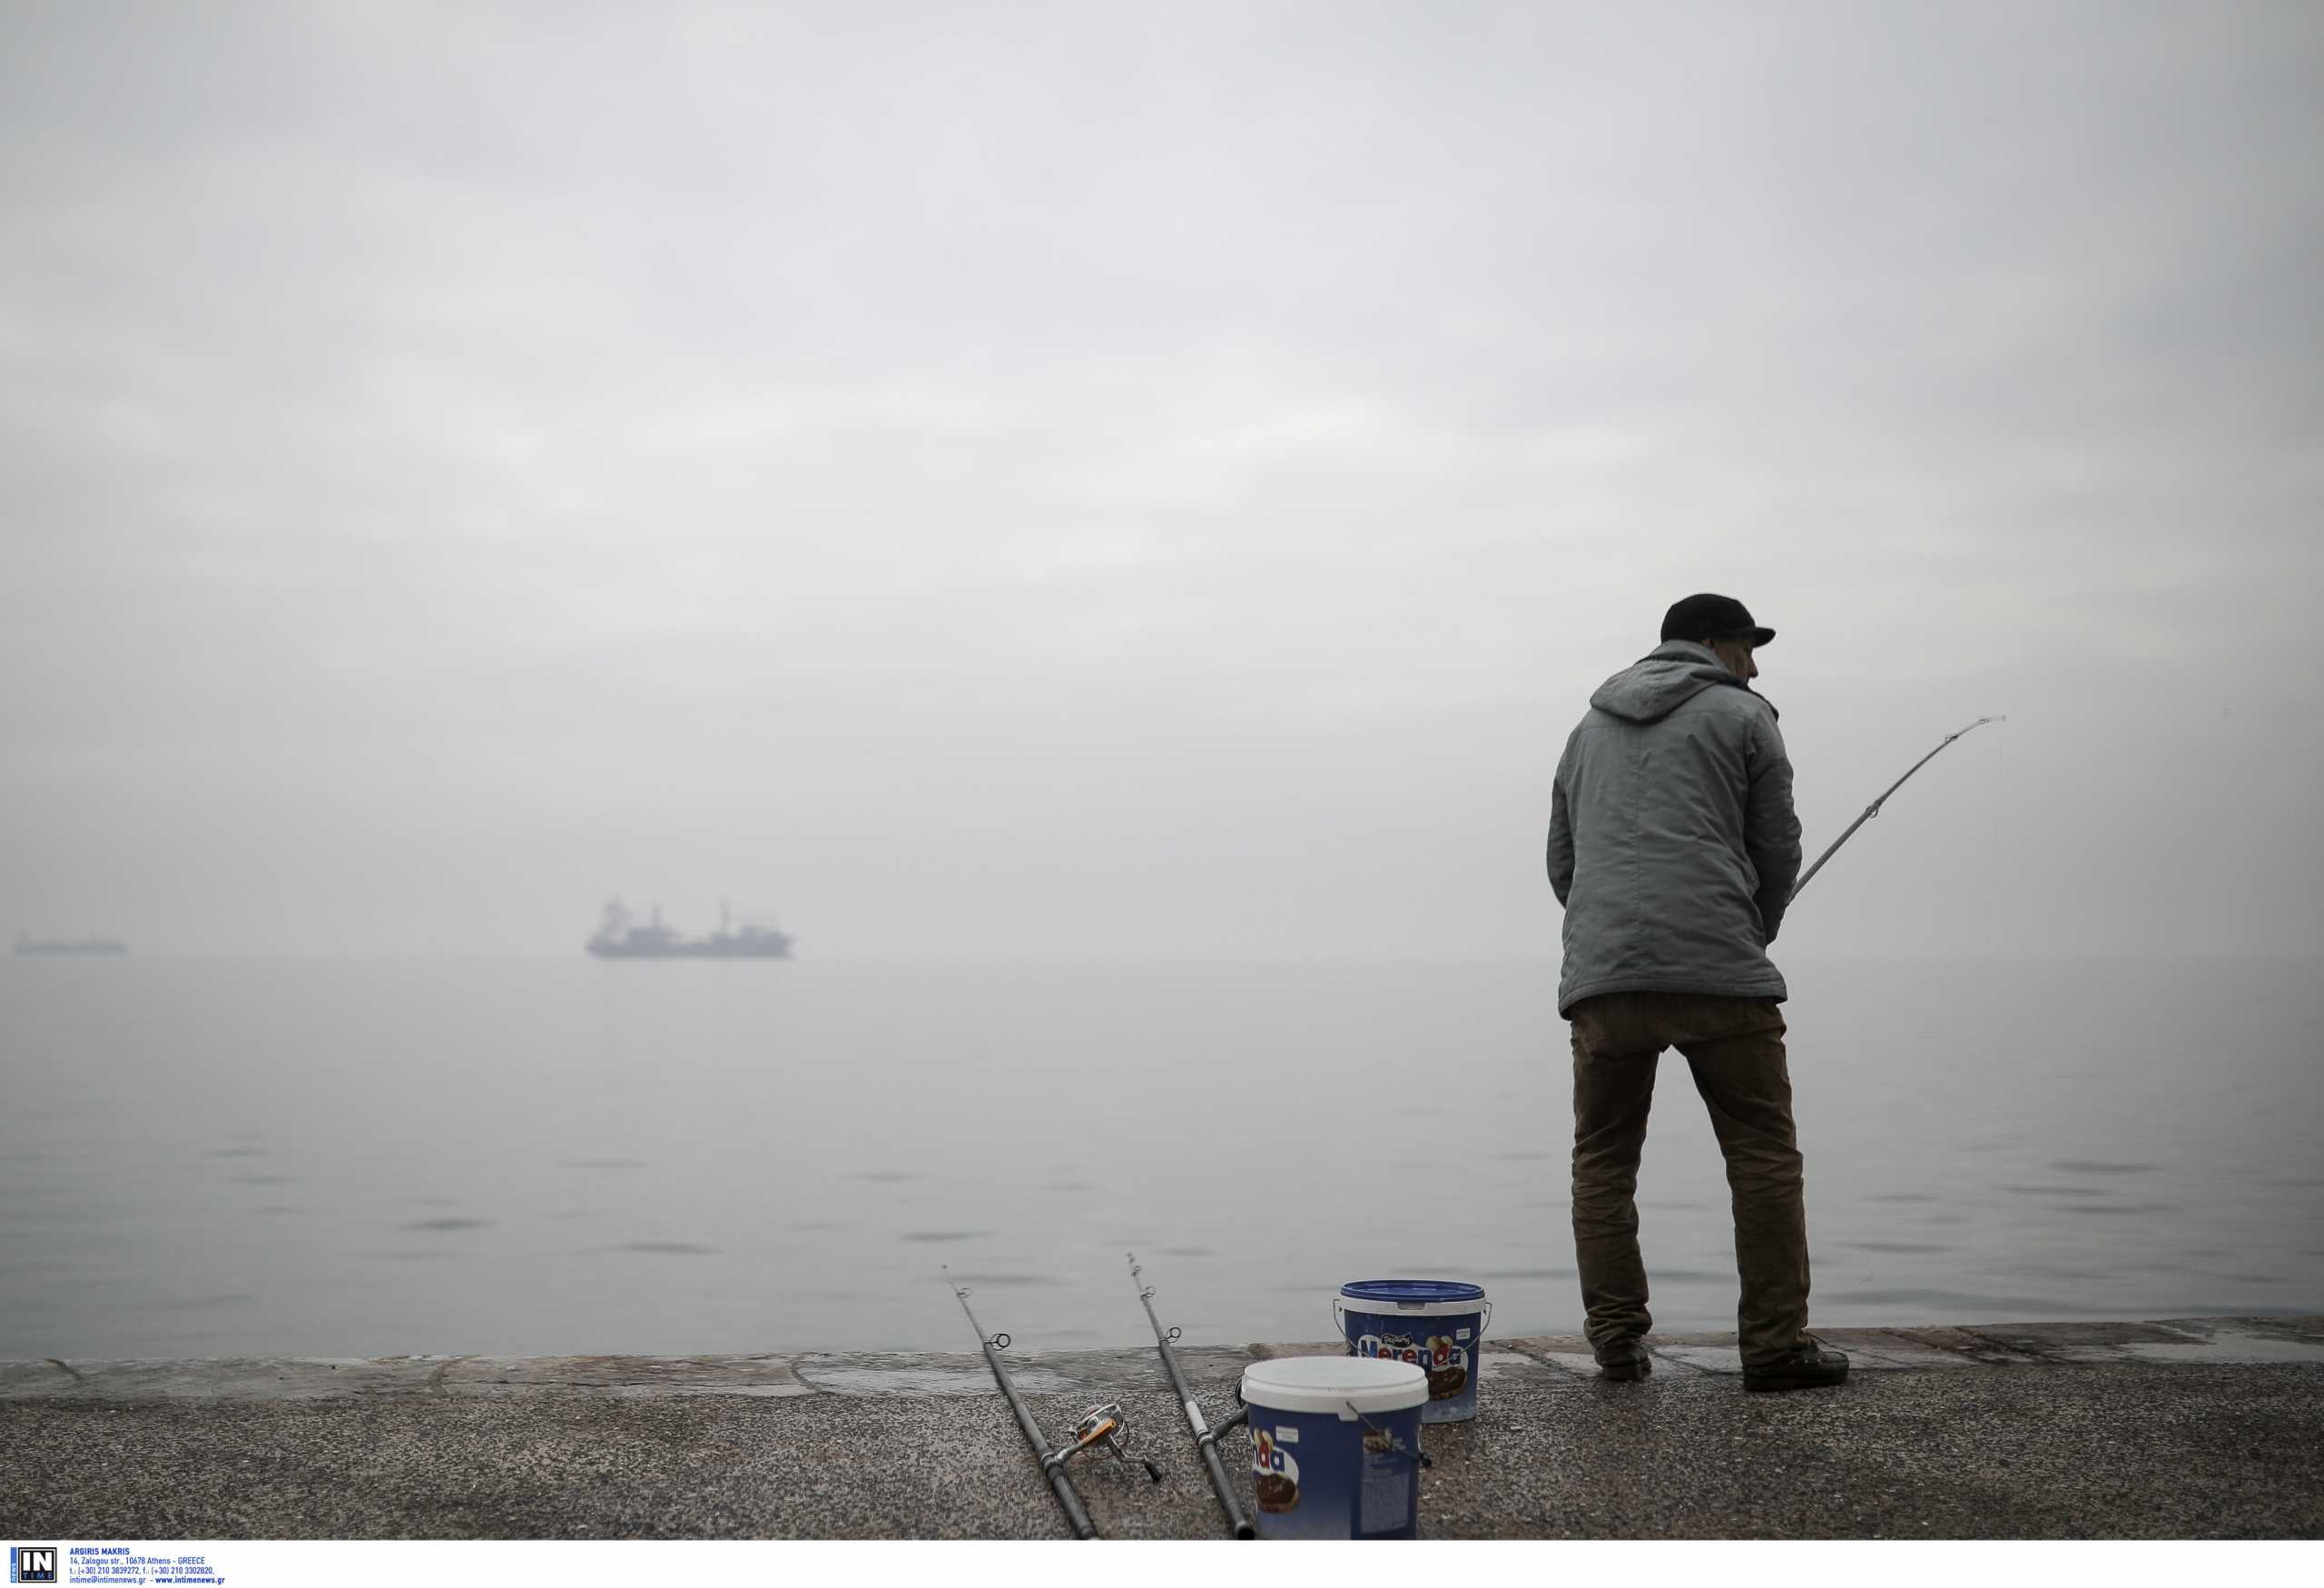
{"x": 2286, "y": 1338}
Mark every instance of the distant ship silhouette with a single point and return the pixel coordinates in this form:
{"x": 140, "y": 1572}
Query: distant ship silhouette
{"x": 86, "y": 945}
{"x": 619, "y": 939}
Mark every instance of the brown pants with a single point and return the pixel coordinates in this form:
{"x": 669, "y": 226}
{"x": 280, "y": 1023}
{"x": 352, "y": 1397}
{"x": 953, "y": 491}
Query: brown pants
{"x": 1735, "y": 1048}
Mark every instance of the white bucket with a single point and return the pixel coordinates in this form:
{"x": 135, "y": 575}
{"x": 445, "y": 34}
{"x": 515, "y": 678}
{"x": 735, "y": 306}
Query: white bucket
{"x": 1335, "y": 1447}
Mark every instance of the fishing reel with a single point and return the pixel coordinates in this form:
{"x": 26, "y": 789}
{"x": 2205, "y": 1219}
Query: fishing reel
{"x": 1108, "y": 1425}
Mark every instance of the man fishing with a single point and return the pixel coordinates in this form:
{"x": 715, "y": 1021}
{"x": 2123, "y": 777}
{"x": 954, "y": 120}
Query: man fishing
{"x": 1673, "y": 848}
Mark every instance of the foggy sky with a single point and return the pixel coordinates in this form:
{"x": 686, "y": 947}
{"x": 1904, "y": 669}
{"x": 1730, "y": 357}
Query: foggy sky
{"x": 1144, "y": 480}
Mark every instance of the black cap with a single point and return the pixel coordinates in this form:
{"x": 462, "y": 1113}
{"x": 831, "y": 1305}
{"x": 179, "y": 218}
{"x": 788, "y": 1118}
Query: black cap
{"x": 1713, "y": 617}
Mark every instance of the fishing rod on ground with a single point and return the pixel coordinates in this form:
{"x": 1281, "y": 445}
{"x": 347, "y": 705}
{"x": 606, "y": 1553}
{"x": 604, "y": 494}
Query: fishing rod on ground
{"x": 1105, "y": 1426}
{"x": 1873, "y": 809}
{"x": 1206, "y": 1436}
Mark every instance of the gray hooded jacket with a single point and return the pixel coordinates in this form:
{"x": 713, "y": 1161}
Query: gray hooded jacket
{"x": 1672, "y": 842}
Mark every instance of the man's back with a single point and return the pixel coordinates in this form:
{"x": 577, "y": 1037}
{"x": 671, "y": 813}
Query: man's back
{"x": 1673, "y": 844}
{"x": 1673, "y": 848}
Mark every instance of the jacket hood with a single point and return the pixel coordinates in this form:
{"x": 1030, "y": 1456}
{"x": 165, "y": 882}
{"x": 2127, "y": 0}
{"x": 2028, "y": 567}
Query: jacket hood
{"x": 1665, "y": 679}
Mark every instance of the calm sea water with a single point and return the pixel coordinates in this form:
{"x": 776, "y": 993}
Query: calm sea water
{"x": 213, "y": 1158}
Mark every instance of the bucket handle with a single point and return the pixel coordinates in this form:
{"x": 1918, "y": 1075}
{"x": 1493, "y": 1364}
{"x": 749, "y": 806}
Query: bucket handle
{"x": 1339, "y": 1322}
{"x": 1395, "y": 1445}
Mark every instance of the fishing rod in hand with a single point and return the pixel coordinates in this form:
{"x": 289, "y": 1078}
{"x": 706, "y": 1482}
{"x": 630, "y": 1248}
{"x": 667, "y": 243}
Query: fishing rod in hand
{"x": 1873, "y": 809}
{"x": 1206, "y": 1436}
{"x": 1105, "y": 1426}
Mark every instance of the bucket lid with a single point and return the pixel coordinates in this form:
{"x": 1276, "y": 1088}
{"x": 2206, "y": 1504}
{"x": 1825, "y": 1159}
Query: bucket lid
{"x": 1418, "y": 1296}
{"x": 1334, "y": 1384}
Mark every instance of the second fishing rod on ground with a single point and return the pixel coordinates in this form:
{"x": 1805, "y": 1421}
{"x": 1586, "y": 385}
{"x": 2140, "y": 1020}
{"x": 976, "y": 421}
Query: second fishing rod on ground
{"x": 1107, "y": 1426}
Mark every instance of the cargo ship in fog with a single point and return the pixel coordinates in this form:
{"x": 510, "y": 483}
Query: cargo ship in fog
{"x": 83, "y": 945}
{"x": 620, "y": 938}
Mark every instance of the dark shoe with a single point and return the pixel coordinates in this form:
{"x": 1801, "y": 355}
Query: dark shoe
{"x": 1808, "y": 1366}
{"x": 1624, "y": 1363}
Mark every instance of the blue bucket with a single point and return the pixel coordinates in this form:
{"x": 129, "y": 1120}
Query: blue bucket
{"x": 1334, "y": 1447}
{"x": 1436, "y": 1324}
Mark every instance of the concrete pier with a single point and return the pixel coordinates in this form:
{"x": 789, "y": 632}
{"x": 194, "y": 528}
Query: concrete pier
{"x": 2180, "y": 1428}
